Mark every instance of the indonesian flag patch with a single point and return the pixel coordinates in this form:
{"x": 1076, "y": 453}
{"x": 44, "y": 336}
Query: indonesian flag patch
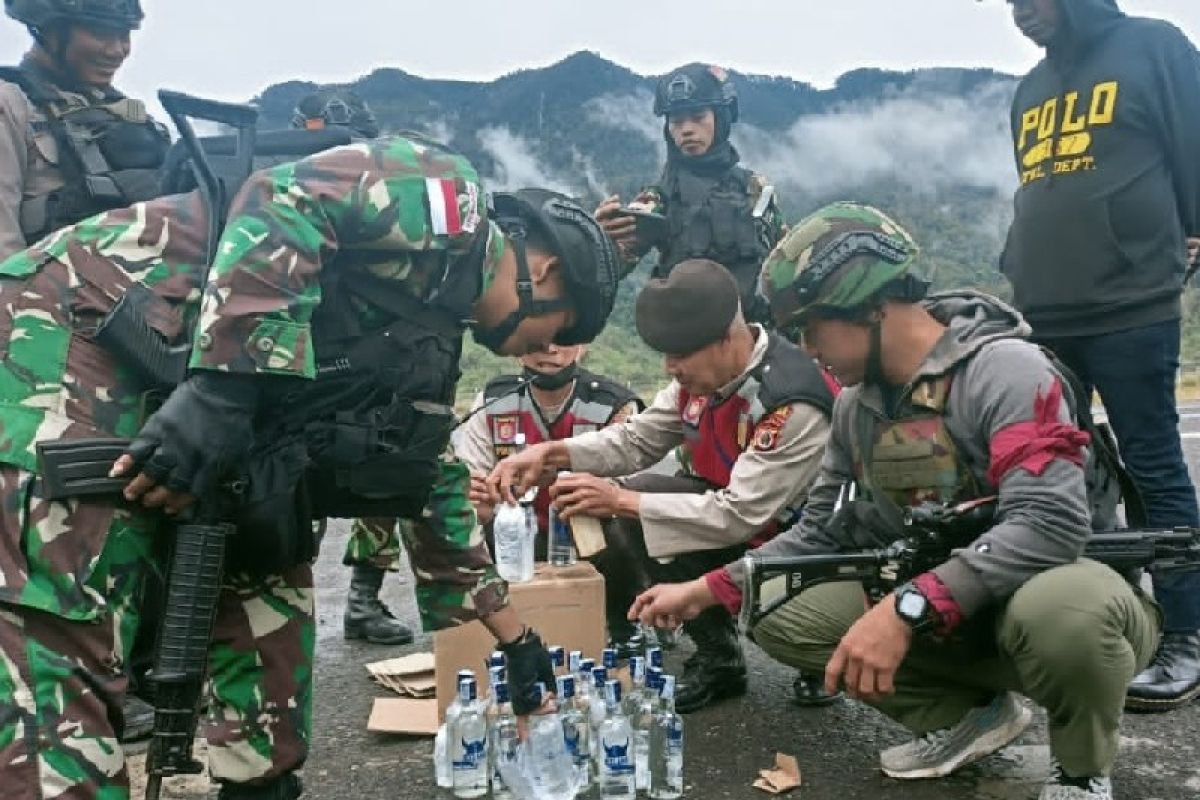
{"x": 444, "y": 217}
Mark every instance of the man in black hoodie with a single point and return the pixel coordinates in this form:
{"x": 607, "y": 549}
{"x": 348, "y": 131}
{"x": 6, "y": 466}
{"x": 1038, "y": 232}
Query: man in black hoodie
{"x": 1106, "y": 132}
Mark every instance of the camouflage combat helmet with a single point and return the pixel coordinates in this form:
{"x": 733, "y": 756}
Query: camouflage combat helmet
{"x": 842, "y": 259}
{"x": 695, "y": 86}
{"x": 335, "y": 107}
{"x": 39, "y": 14}
{"x": 588, "y": 258}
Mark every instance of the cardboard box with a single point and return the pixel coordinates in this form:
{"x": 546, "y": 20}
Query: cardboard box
{"x": 564, "y": 604}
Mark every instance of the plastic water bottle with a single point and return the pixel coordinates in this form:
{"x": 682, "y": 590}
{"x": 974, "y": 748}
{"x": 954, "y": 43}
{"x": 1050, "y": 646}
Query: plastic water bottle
{"x": 504, "y": 741}
{"x": 514, "y": 547}
{"x": 550, "y": 763}
{"x": 577, "y": 732}
{"x": 468, "y": 744}
{"x": 615, "y": 740}
{"x": 560, "y": 545}
{"x": 666, "y": 747}
{"x": 608, "y": 659}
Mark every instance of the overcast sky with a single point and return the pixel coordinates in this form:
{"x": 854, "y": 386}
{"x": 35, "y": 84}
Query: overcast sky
{"x": 232, "y": 50}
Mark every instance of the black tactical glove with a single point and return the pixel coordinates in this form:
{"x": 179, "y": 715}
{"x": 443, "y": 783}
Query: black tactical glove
{"x": 528, "y": 664}
{"x": 202, "y": 430}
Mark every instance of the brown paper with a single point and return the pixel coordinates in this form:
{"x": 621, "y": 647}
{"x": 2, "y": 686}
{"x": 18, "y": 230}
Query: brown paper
{"x": 783, "y": 778}
{"x": 404, "y": 715}
{"x": 588, "y": 536}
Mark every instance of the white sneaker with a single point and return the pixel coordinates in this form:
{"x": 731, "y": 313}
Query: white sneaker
{"x": 980, "y": 733}
{"x": 1061, "y": 787}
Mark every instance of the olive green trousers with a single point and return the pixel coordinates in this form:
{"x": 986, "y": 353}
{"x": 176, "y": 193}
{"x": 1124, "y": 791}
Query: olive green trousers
{"x": 1070, "y": 639}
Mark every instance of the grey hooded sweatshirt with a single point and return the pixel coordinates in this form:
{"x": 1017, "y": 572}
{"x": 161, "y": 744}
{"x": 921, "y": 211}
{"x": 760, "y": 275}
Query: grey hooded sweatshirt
{"x": 1106, "y": 134}
{"x": 1043, "y": 520}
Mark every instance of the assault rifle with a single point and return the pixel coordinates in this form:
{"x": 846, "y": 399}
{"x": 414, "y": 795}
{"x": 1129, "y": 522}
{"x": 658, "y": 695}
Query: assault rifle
{"x": 932, "y": 532}
{"x": 198, "y": 547}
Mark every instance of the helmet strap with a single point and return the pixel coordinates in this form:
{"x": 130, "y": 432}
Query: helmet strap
{"x": 494, "y": 338}
{"x": 874, "y": 374}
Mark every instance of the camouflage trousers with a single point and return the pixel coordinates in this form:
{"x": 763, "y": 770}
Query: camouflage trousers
{"x": 455, "y": 577}
{"x": 375, "y": 541}
{"x": 65, "y": 637}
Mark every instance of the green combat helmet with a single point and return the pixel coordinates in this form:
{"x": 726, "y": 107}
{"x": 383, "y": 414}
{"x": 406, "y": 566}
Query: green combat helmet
{"x": 342, "y": 107}
{"x": 840, "y": 261}
{"x": 39, "y": 14}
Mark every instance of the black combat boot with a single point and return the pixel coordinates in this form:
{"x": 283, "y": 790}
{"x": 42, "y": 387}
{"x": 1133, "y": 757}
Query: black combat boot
{"x": 717, "y": 670}
{"x": 1173, "y": 677}
{"x": 808, "y": 689}
{"x": 366, "y": 615}
{"x": 287, "y": 787}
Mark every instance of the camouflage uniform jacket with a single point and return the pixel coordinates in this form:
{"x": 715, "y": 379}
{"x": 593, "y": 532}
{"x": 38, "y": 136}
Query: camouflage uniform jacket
{"x": 394, "y": 207}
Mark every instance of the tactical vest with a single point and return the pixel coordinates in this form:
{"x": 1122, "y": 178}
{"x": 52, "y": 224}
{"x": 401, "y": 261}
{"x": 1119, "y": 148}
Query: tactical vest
{"x": 912, "y": 459}
{"x": 712, "y": 218}
{"x": 717, "y": 433}
{"x": 109, "y": 152}
{"x": 592, "y": 406}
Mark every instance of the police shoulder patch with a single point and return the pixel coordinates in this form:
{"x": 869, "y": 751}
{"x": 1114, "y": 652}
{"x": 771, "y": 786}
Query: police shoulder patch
{"x": 768, "y": 430}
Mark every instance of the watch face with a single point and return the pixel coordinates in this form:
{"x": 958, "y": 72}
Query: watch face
{"x": 911, "y": 605}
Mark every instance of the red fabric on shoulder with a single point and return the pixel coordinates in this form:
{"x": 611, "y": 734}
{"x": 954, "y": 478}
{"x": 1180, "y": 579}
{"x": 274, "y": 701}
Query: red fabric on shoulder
{"x": 1035, "y": 444}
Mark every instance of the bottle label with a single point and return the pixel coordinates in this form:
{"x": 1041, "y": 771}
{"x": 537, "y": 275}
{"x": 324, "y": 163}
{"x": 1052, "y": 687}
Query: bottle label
{"x": 471, "y": 755}
{"x": 616, "y": 757}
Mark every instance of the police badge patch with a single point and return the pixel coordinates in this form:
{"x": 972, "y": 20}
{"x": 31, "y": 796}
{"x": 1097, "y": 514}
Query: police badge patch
{"x": 766, "y": 435}
{"x": 506, "y": 429}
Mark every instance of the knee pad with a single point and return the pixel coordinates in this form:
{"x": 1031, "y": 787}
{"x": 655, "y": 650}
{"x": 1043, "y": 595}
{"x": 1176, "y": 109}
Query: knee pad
{"x": 287, "y": 787}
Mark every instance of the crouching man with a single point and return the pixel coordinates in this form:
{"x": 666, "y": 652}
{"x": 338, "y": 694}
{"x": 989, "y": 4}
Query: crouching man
{"x": 945, "y": 401}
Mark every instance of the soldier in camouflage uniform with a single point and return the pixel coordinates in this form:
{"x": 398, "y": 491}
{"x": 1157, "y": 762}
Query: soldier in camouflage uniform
{"x": 946, "y": 401}
{"x": 714, "y": 208}
{"x": 388, "y": 245}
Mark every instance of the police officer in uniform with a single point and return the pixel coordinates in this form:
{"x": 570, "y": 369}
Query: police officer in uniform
{"x": 70, "y": 144}
{"x": 553, "y": 398}
{"x": 714, "y": 208}
{"x": 751, "y": 412}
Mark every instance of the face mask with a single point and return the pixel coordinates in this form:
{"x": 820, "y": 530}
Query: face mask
{"x": 553, "y": 380}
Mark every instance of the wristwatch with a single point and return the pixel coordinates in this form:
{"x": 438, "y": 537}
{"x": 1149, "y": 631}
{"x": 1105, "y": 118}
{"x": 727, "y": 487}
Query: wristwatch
{"x": 914, "y": 608}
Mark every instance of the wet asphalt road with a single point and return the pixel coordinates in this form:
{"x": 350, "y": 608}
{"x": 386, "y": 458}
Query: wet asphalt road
{"x": 725, "y": 745}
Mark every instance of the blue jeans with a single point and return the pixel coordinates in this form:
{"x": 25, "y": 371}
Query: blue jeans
{"x": 1135, "y": 371}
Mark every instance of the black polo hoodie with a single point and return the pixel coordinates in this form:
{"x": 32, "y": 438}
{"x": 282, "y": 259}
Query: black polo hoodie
{"x": 1106, "y": 131}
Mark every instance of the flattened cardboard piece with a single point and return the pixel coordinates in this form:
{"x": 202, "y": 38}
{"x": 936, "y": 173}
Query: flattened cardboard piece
{"x": 414, "y": 664}
{"x": 404, "y": 715}
{"x": 783, "y": 778}
{"x": 565, "y": 605}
